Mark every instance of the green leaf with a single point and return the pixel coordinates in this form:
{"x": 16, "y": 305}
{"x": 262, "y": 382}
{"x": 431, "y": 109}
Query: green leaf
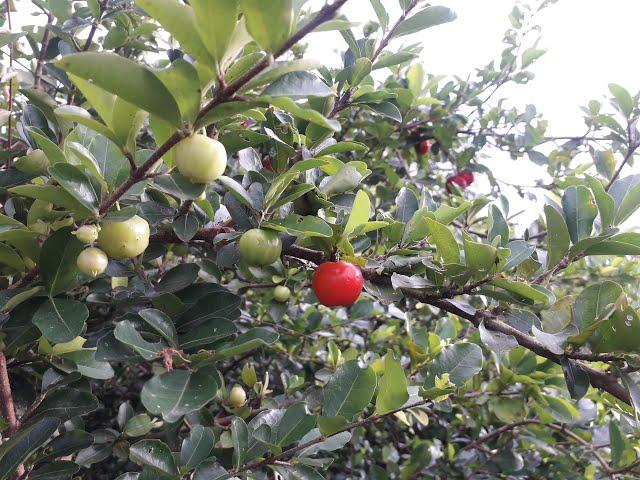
{"x": 348, "y": 391}
{"x": 299, "y": 226}
{"x": 247, "y": 342}
{"x": 498, "y": 226}
{"x": 580, "y": 211}
{"x": 622, "y": 244}
{"x": 294, "y": 424}
{"x": 126, "y": 79}
{"x": 81, "y": 116}
{"x": 460, "y": 361}
{"x": 627, "y": 198}
{"x": 347, "y": 178}
{"x": 126, "y": 333}
{"x": 161, "y": 323}
{"x": 224, "y": 111}
{"x": 215, "y": 21}
{"x": 86, "y": 363}
{"x": 520, "y": 252}
{"x": 186, "y": 226}
{"x": 51, "y": 194}
{"x": 101, "y": 100}
{"x": 76, "y": 182}
{"x": 154, "y": 454}
{"x": 269, "y": 23}
{"x": 479, "y": 257}
{"x": 446, "y": 245}
{"x": 386, "y": 109}
{"x": 531, "y": 55}
{"x": 277, "y": 188}
{"x": 595, "y": 303}
{"x": 604, "y": 201}
{"x": 308, "y": 114}
{"x": 197, "y": 446}
{"x": 24, "y": 443}
{"x": 392, "y": 389}
{"x": 278, "y": 69}
{"x": 180, "y": 21}
{"x": 65, "y": 403}
{"x": 622, "y": 98}
{"x": 558, "y": 238}
{"x": 240, "y": 438}
{"x": 179, "y": 277}
{"x": 237, "y": 191}
{"x": 174, "y": 394}
{"x": 392, "y": 59}
{"x": 181, "y": 79}
{"x": 342, "y": 147}
{"x": 61, "y": 320}
{"x": 207, "y": 332}
{"x": 360, "y": 213}
{"x": 381, "y": 13}
{"x": 138, "y": 426}
{"x": 446, "y": 214}
{"x": 55, "y": 471}
{"x": 58, "y": 261}
{"x": 298, "y": 86}
{"x": 426, "y": 18}
{"x": 523, "y": 290}
{"x": 50, "y": 149}
{"x": 179, "y": 186}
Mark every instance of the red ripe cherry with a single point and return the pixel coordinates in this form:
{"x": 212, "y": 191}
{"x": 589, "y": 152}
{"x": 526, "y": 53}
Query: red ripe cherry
{"x": 337, "y": 284}
{"x": 462, "y": 180}
{"x": 423, "y": 147}
{"x": 266, "y": 163}
{"x": 245, "y": 124}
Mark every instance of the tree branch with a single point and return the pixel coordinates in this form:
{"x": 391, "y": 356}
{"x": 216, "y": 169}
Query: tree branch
{"x": 37, "y": 77}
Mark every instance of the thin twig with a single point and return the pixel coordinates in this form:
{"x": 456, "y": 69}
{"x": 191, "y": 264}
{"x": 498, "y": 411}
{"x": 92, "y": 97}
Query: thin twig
{"x": 37, "y": 77}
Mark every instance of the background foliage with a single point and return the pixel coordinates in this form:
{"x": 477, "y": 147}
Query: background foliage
{"x": 471, "y": 353}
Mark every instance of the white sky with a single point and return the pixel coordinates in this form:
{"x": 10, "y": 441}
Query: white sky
{"x": 590, "y": 43}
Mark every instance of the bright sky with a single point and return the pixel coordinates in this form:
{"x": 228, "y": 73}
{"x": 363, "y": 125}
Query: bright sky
{"x": 590, "y": 44}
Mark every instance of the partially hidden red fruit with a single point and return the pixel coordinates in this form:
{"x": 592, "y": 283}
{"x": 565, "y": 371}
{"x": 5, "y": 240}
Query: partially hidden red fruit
{"x": 266, "y": 163}
{"x": 423, "y": 147}
{"x": 337, "y": 284}
{"x": 245, "y": 124}
{"x": 462, "y": 180}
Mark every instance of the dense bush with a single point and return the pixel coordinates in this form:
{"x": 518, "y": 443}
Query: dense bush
{"x": 156, "y": 328}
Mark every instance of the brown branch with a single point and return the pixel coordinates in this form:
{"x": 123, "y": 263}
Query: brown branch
{"x": 7, "y": 406}
{"x": 37, "y": 77}
{"x": 26, "y": 279}
{"x": 203, "y": 234}
{"x": 497, "y": 432}
{"x": 625, "y": 160}
{"x": 6, "y": 396}
{"x": 290, "y": 452}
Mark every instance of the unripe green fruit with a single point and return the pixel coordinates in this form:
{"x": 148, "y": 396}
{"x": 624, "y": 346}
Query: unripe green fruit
{"x": 281, "y": 293}
{"x": 92, "y": 261}
{"x": 201, "y": 159}
{"x": 260, "y": 247}
{"x": 87, "y": 234}
{"x": 237, "y": 396}
{"x": 34, "y": 163}
{"x": 126, "y": 239}
{"x": 248, "y": 375}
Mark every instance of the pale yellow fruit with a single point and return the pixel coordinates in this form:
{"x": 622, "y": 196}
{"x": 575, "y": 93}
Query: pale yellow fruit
{"x": 92, "y": 261}
{"x": 126, "y": 239}
{"x": 201, "y": 159}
